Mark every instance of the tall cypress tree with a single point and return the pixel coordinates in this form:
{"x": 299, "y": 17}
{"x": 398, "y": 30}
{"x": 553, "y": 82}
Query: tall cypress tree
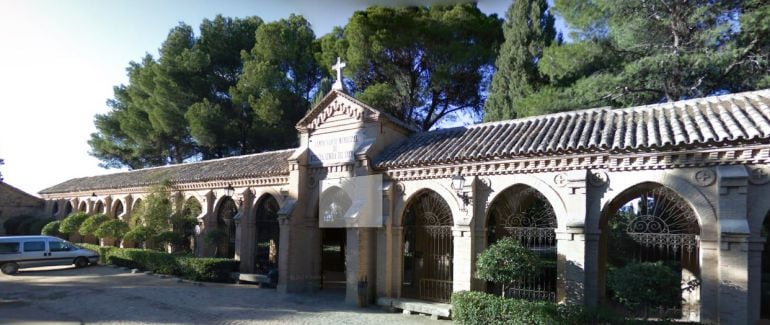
{"x": 529, "y": 28}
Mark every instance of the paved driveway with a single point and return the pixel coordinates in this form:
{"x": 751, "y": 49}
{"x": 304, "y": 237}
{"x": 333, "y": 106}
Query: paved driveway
{"x": 105, "y": 295}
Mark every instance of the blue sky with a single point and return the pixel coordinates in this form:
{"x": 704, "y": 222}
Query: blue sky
{"x": 60, "y": 59}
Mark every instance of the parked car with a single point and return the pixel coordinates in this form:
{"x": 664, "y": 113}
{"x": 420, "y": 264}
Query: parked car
{"x": 31, "y": 251}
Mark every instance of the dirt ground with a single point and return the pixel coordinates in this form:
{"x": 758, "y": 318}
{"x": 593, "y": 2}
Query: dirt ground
{"x": 106, "y": 295}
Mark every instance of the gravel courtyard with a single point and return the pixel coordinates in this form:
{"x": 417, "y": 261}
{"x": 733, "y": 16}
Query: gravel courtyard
{"x": 105, "y": 295}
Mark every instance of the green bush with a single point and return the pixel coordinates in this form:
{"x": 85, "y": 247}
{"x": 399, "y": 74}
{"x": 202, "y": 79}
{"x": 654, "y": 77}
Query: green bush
{"x": 207, "y": 269}
{"x": 645, "y": 285}
{"x": 89, "y": 226}
{"x": 472, "y": 307}
{"x": 484, "y": 308}
{"x": 36, "y": 225}
{"x": 51, "y": 229}
{"x": 72, "y": 223}
{"x": 188, "y": 267}
{"x": 112, "y": 229}
{"x": 506, "y": 262}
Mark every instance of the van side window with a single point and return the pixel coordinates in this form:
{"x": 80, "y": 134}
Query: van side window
{"x": 9, "y": 248}
{"x": 58, "y": 246}
{"x": 34, "y": 246}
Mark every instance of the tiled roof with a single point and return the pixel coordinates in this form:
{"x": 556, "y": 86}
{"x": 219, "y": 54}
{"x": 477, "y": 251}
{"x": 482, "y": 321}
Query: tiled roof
{"x": 703, "y": 121}
{"x": 256, "y": 165}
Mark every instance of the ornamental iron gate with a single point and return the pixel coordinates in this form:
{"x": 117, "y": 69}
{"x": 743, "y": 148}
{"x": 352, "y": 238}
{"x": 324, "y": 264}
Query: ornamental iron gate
{"x": 658, "y": 225}
{"x": 428, "y": 249}
{"x": 267, "y": 234}
{"x": 226, "y": 224}
{"x": 525, "y": 215}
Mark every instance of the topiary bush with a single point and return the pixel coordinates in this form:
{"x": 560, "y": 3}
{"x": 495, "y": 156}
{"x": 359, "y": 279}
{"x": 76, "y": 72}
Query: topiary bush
{"x": 71, "y": 224}
{"x": 645, "y": 285}
{"x": 51, "y": 229}
{"x": 36, "y": 225}
{"x": 89, "y": 226}
{"x": 506, "y": 262}
{"x": 112, "y": 229}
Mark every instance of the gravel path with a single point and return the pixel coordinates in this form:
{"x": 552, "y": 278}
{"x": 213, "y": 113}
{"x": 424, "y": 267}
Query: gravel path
{"x": 105, "y": 295}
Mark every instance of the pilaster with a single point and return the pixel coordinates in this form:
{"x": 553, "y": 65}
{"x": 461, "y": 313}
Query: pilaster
{"x": 462, "y": 266}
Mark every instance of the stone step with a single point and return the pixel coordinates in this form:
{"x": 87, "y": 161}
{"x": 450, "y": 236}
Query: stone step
{"x": 435, "y": 309}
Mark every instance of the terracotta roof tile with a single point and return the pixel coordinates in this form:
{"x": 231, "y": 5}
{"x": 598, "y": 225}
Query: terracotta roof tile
{"x": 711, "y": 120}
{"x": 256, "y": 165}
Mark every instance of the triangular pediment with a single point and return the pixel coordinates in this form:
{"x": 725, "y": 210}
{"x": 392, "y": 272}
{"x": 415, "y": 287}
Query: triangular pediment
{"x": 338, "y": 107}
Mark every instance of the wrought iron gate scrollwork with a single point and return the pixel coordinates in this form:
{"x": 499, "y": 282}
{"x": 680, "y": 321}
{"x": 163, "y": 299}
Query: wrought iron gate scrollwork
{"x": 428, "y": 249}
{"x": 524, "y": 214}
{"x": 657, "y": 225}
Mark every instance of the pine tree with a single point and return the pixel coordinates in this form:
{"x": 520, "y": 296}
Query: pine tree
{"x": 528, "y": 30}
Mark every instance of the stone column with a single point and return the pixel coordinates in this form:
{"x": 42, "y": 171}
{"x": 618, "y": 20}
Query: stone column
{"x": 206, "y": 222}
{"x": 283, "y": 252}
{"x": 360, "y": 264}
{"x": 462, "y": 266}
{"x": 756, "y": 246}
{"x": 734, "y": 245}
{"x": 245, "y": 232}
{"x": 577, "y": 266}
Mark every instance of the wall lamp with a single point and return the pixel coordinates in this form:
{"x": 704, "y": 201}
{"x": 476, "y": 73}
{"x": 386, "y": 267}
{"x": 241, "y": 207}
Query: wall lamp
{"x": 458, "y": 184}
{"x": 229, "y": 190}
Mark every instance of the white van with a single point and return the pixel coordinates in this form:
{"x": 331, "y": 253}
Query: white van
{"x": 31, "y": 251}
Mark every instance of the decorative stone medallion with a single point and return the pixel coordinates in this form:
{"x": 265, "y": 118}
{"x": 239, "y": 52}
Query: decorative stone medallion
{"x": 597, "y": 178}
{"x": 312, "y": 181}
{"x": 759, "y": 175}
{"x": 560, "y": 180}
{"x": 704, "y": 177}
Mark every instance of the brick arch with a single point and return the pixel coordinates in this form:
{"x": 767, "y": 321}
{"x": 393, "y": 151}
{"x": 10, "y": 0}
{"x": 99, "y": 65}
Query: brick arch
{"x": 449, "y": 197}
{"x": 114, "y": 207}
{"x": 695, "y": 199}
{"x": 553, "y": 198}
{"x": 260, "y": 195}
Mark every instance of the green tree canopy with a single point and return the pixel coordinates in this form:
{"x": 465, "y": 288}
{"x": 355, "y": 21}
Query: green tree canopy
{"x": 112, "y": 229}
{"x": 149, "y": 123}
{"x": 528, "y": 30}
{"x": 629, "y": 52}
{"x": 420, "y": 64}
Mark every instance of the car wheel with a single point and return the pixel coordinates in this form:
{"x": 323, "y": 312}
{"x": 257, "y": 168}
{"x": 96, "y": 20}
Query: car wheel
{"x": 81, "y": 262}
{"x": 10, "y": 268}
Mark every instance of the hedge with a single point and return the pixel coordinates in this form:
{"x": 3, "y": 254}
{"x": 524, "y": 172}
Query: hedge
{"x": 472, "y": 307}
{"x": 188, "y": 267}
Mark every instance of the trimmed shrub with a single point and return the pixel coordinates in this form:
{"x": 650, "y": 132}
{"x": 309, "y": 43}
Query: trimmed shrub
{"x": 483, "y": 308}
{"x": 645, "y": 285}
{"x": 112, "y": 229}
{"x": 72, "y": 223}
{"x": 51, "y": 229}
{"x": 188, "y": 267}
{"x": 89, "y": 226}
{"x": 472, "y": 307}
{"x": 207, "y": 269}
{"x": 506, "y": 262}
{"x": 36, "y": 226}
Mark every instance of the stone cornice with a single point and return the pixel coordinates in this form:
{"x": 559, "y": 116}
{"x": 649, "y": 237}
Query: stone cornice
{"x": 192, "y": 186}
{"x": 749, "y": 154}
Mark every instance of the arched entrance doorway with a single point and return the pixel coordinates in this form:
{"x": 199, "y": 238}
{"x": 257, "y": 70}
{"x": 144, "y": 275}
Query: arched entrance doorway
{"x": 333, "y": 203}
{"x": 83, "y": 206}
{"x": 650, "y": 223}
{"x": 185, "y": 224}
{"x": 267, "y": 237}
{"x": 428, "y": 248}
{"x": 225, "y": 243}
{"x": 524, "y": 214}
{"x": 99, "y": 207}
{"x": 55, "y": 209}
{"x": 67, "y": 209}
{"x": 117, "y": 211}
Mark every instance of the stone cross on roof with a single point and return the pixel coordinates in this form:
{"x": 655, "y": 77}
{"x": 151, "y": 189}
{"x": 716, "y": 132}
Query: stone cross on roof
{"x": 338, "y": 66}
